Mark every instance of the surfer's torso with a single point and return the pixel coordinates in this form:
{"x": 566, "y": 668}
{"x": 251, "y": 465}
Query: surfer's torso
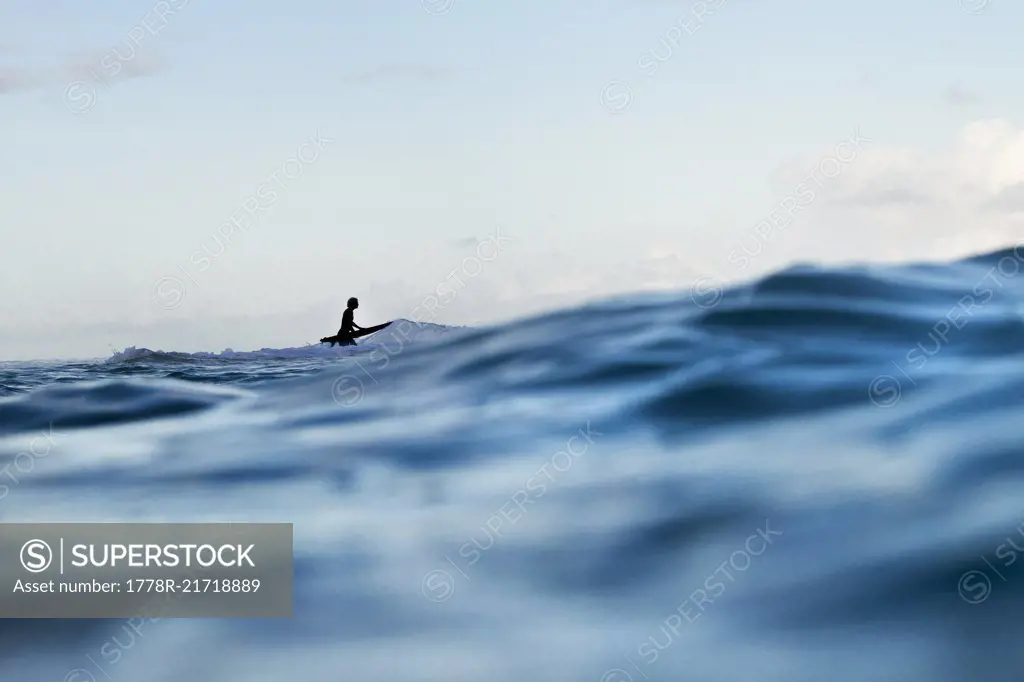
{"x": 347, "y": 322}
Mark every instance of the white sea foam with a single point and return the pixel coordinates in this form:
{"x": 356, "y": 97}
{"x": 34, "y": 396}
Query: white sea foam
{"x": 404, "y": 331}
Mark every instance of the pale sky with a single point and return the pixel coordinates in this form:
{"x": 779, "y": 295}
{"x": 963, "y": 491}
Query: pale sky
{"x": 618, "y": 146}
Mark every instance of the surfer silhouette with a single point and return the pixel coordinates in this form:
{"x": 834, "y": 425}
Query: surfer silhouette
{"x": 349, "y": 329}
{"x": 348, "y": 323}
{"x": 345, "y": 334}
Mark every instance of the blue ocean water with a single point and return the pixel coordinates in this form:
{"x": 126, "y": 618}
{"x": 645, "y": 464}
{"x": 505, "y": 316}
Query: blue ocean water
{"x": 815, "y": 476}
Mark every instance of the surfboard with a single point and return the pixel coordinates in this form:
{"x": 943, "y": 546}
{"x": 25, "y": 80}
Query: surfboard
{"x": 346, "y": 339}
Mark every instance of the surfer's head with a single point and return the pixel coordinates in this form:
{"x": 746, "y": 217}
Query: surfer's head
{"x": 353, "y": 303}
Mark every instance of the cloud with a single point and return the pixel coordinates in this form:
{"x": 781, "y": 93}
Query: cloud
{"x": 1009, "y": 199}
{"x": 114, "y": 64}
{"x": 889, "y": 193}
{"x": 887, "y": 204}
{"x": 958, "y": 96}
{"x": 95, "y": 66}
{"x": 12, "y": 79}
{"x": 987, "y": 157}
{"x": 862, "y": 80}
{"x": 402, "y": 73}
{"x": 921, "y": 205}
{"x": 980, "y": 167}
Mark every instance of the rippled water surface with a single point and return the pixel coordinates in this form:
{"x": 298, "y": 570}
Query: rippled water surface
{"x": 813, "y": 477}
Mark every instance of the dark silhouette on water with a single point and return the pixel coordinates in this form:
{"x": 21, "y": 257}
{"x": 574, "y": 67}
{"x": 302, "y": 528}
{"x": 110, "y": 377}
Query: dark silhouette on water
{"x": 348, "y": 323}
{"x": 348, "y": 327}
{"x": 349, "y": 330}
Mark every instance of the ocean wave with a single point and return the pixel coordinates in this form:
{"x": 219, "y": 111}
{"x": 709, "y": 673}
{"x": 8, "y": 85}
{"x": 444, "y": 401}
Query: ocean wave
{"x": 817, "y": 476}
{"x": 410, "y": 332}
